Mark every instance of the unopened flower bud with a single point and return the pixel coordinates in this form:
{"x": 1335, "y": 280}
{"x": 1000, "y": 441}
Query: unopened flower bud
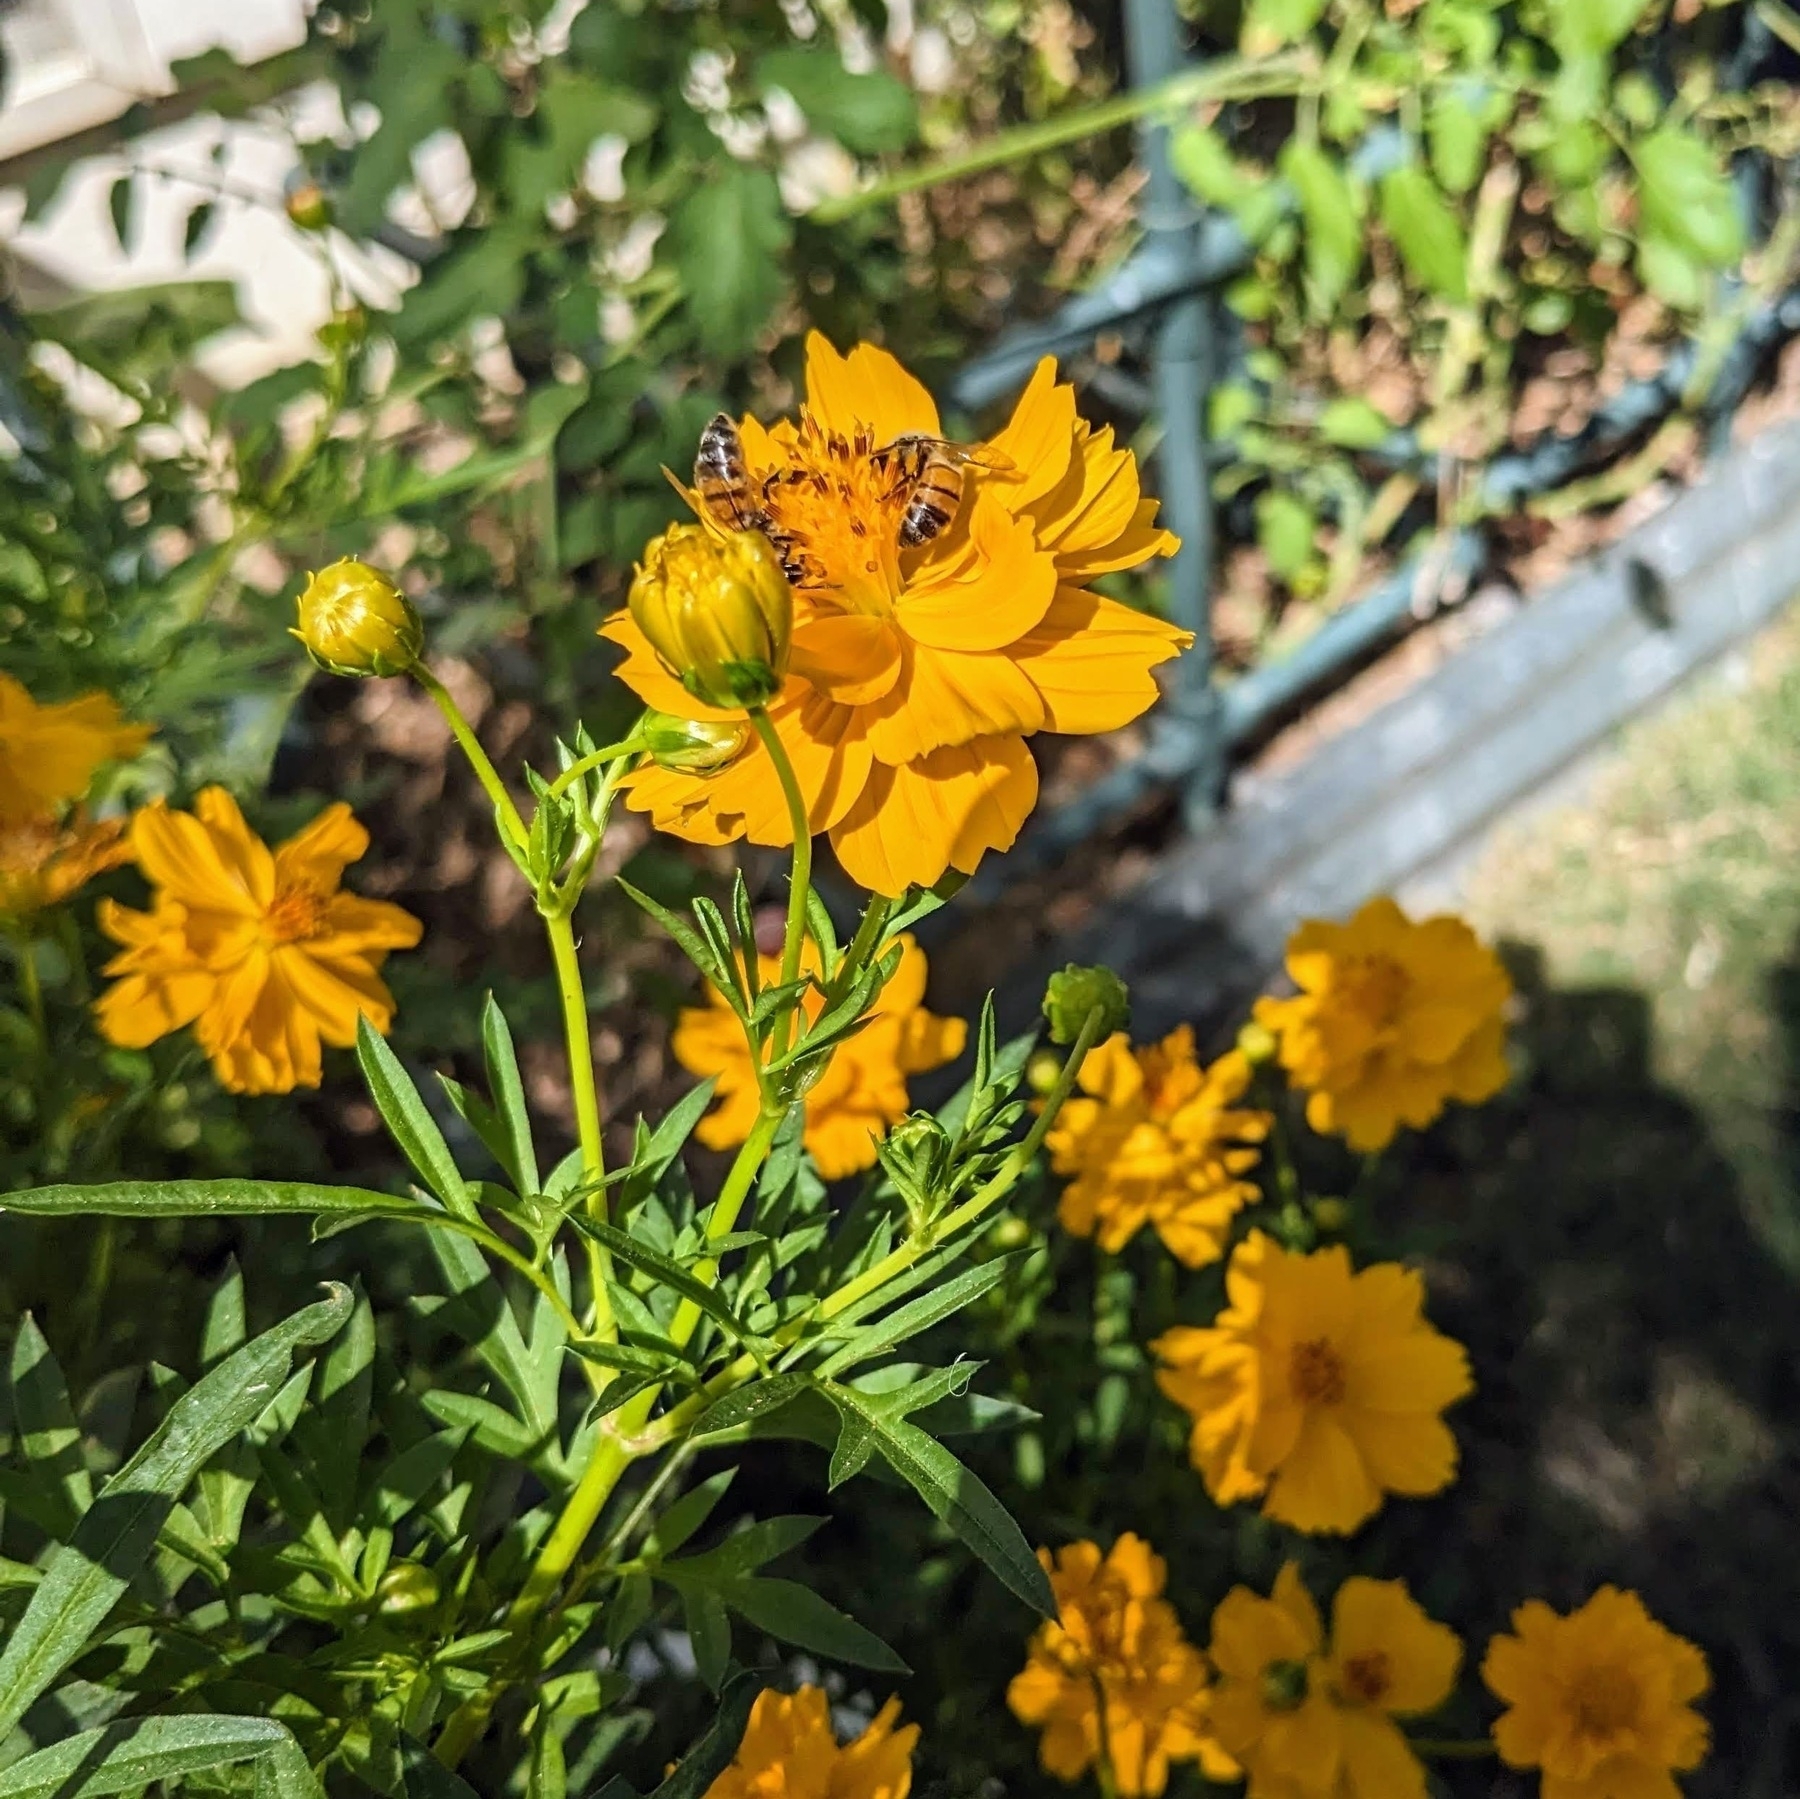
{"x": 692, "y": 746}
{"x": 1331, "y": 1215}
{"x": 1041, "y": 1071}
{"x": 718, "y": 613}
{"x": 407, "y": 1587}
{"x": 308, "y": 205}
{"x": 1076, "y": 992}
{"x": 1257, "y": 1044}
{"x": 355, "y": 621}
{"x": 917, "y": 1138}
{"x": 1012, "y": 1232}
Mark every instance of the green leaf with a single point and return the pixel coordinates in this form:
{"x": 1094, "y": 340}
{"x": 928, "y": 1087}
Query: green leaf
{"x": 492, "y": 1427}
{"x": 1328, "y": 210}
{"x": 131, "y": 1755}
{"x": 729, "y": 237}
{"x": 671, "y": 1275}
{"x": 409, "y": 1123}
{"x": 685, "y": 935}
{"x": 1285, "y": 527}
{"x": 1268, "y": 24}
{"x": 796, "y": 1614}
{"x": 87, "y": 1574}
{"x": 750, "y": 1403}
{"x": 688, "y": 1513}
{"x": 508, "y": 1092}
{"x": 919, "y": 1315}
{"x": 1457, "y": 135}
{"x": 210, "y": 1199}
{"x": 1685, "y": 198}
{"x": 865, "y": 112}
{"x": 1352, "y": 423}
{"x": 1201, "y": 159}
{"x": 953, "y": 1492}
{"x": 335, "y": 1427}
{"x": 405, "y": 1481}
{"x": 48, "y": 1433}
{"x": 707, "y": 1759}
{"x": 1428, "y": 234}
{"x": 1584, "y": 28}
{"x": 671, "y": 1134}
{"x": 709, "y": 1632}
{"x": 743, "y": 1552}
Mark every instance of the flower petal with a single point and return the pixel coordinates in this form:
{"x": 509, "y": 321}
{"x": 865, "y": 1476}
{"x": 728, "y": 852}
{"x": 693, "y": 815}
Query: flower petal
{"x": 1090, "y": 658}
{"x": 848, "y": 657}
{"x": 913, "y": 822}
{"x": 947, "y": 697}
{"x": 318, "y": 853}
{"x": 992, "y": 596}
{"x": 1039, "y": 438}
{"x": 867, "y": 388}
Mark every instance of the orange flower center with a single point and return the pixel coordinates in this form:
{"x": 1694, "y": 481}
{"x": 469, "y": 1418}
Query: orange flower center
{"x": 1377, "y": 987}
{"x": 1316, "y": 1373}
{"x": 835, "y": 513}
{"x": 1366, "y": 1678}
{"x": 1604, "y": 1701}
{"x": 295, "y": 915}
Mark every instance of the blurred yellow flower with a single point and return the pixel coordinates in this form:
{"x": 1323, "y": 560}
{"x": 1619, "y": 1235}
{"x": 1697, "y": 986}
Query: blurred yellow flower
{"x": 916, "y": 674}
{"x": 48, "y": 754}
{"x": 1601, "y": 1700}
{"x": 790, "y": 1751}
{"x": 1317, "y": 1389}
{"x": 1392, "y": 1021}
{"x": 45, "y": 860}
{"x": 1161, "y": 1141}
{"x": 260, "y": 952}
{"x": 858, "y": 1097}
{"x": 1117, "y": 1642}
{"x": 1311, "y": 1720}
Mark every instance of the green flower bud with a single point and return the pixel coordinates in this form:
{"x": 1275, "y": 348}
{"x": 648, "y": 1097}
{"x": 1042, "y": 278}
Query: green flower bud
{"x": 693, "y": 746}
{"x": 355, "y": 621}
{"x": 1076, "y": 992}
{"x": 1332, "y": 1215}
{"x": 1041, "y": 1071}
{"x": 1257, "y": 1044}
{"x": 407, "y": 1587}
{"x": 718, "y": 613}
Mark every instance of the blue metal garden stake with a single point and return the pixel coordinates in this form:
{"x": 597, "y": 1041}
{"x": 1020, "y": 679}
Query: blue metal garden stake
{"x": 1181, "y": 355}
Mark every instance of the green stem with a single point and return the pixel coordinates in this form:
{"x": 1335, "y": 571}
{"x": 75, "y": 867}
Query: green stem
{"x": 678, "y": 1418}
{"x": 1105, "y": 1776}
{"x": 985, "y": 1197}
{"x": 478, "y": 758}
{"x": 626, "y": 746}
{"x": 800, "y": 880}
{"x": 1227, "y": 78}
{"x": 561, "y": 932}
{"x": 723, "y": 1220}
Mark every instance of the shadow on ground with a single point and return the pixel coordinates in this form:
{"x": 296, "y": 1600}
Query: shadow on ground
{"x": 1635, "y": 1329}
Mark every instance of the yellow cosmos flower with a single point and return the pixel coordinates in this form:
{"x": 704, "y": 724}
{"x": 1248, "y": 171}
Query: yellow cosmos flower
{"x": 259, "y": 951}
{"x": 48, "y": 754}
{"x": 1601, "y": 1700}
{"x": 915, "y": 676}
{"x": 45, "y": 860}
{"x": 1315, "y": 1720}
{"x": 858, "y": 1097}
{"x": 1161, "y": 1141}
{"x": 1318, "y": 1389}
{"x": 1117, "y": 1642}
{"x": 790, "y": 1751}
{"x": 1392, "y": 1021}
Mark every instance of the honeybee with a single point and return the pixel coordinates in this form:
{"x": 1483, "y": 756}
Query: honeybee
{"x": 722, "y": 478}
{"x": 929, "y": 472}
